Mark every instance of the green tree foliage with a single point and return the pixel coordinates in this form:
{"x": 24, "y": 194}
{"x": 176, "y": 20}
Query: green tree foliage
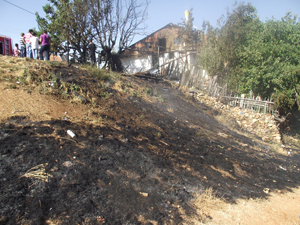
{"x": 110, "y": 23}
{"x": 218, "y": 48}
{"x": 248, "y": 54}
{"x": 209, "y": 54}
{"x": 269, "y": 61}
{"x": 69, "y": 26}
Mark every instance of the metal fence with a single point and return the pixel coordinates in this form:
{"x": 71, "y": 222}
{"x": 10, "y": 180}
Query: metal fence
{"x": 201, "y": 82}
{"x": 258, "y": 105}
{"x": 209, "y": 86}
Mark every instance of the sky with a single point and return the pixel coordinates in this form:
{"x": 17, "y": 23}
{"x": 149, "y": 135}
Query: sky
{"x": 14, "y": 20}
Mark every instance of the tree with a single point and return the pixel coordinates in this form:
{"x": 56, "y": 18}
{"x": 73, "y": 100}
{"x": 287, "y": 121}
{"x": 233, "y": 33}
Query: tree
{"x": 46, "y": 24}
{"x": 69, "y": 25}
{"x": 209, "y": 55}
{"x": 116, "y": 22}
{"x": 250, "y": 55}
{"x": 188, "y": 33}
{"x": 113, "y": 23}
{"x": 219, "y": 46}
{"x": 270, "y": 64}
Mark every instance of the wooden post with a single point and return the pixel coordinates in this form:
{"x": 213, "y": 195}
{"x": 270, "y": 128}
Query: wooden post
{"x": 242, "y": 101}
{"x": 265, "y": 109}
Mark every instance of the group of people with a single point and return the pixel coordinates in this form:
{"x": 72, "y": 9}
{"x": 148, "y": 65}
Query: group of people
{"x": 33, "y": 47}
{"x": 30, "y": 48}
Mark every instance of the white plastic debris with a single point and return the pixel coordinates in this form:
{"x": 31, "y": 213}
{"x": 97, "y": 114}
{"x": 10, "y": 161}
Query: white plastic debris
{"x": 71, "y": 133}
{"x": 50, "y": 83}
{"x": 281, "y": 167}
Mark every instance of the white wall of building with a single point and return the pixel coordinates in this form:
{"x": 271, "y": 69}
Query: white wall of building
{"x": 134, "y": 65}
{"x": 164, "y": 58}
{"x": 141, "y": 64}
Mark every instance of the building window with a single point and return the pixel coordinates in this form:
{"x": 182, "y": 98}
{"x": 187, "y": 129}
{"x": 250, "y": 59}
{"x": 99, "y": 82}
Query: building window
{"x": 148, "y": 45}
{"x": 162, "y": 44}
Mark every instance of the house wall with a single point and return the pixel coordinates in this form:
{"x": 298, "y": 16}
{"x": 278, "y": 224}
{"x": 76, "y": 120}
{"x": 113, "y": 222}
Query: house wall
{"x": 145, "y": 63}
{"x": 142, "y": 55}
{"x": 134, "y": 65}
{"x": 150, "y": 44}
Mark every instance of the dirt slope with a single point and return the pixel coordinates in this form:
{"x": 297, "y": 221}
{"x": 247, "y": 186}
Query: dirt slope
{"x": 143, "y": 154}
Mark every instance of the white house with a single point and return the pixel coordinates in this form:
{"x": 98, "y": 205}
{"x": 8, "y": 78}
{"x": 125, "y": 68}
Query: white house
{"x": 160, "y": 50}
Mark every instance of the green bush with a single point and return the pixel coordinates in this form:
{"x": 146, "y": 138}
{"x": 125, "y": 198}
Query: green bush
{"x": 100, "y": 74}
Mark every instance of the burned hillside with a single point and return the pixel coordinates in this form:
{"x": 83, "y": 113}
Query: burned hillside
{"x": 141, "y": 154}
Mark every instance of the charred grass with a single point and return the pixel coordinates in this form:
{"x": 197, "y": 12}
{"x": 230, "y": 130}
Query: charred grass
{"x": 144, "y": 153}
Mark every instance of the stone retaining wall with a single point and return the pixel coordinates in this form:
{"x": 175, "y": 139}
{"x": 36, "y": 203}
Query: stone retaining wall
{"x": 263, "y": 125}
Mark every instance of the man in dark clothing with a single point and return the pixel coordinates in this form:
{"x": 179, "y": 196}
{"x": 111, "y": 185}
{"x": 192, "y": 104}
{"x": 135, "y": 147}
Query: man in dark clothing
{"x": 92, "y": 50}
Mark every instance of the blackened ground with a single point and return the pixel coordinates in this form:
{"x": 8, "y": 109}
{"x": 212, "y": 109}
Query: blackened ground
{"x": 138, "y": 167}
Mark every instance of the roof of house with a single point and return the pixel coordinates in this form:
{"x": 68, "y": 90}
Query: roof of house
{"x": 167, "y": 26}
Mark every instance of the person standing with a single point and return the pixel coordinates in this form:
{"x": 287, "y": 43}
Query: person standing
{"x": 22, "y": 46}
{"x": 16, "y": 50}
{"x": 92, "y": 50}
{"x": 34, "y": 41}
{"x": 46, "y": 44}
{"x": 28, "y": 45}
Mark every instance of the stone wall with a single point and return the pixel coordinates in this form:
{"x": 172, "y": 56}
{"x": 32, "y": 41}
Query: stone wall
{"x": 260, "y": 124}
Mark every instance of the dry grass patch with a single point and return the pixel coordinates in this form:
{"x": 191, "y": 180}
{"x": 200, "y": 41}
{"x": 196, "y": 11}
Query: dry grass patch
{"x": 15, "y": 67}
{"x": 223, "y": 172}
{"x": 204, "y": 203}
{"x": 170, "y": 110}
{"x": 274, "y": 211}
{"x": 212, "y": 210}
{"x": 38, "y": 172}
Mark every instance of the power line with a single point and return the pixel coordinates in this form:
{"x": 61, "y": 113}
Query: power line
{"x": 19, "y": 7}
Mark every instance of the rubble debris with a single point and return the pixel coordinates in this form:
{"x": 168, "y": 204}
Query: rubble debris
{"x": 266, "y": 190}
{"x": 146, "y": 75}
{"x": 68, "y": 164}
{"x": 261, "y": 124}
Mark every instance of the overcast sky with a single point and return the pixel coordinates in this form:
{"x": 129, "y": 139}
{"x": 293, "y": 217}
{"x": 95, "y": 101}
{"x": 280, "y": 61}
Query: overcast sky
{"x": 14, "y": 20}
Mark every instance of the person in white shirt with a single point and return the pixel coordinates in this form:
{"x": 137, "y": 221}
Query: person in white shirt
{"x": 34, "y": 41}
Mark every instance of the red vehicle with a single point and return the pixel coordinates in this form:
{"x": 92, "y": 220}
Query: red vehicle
{"x": 6, "y": 47}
